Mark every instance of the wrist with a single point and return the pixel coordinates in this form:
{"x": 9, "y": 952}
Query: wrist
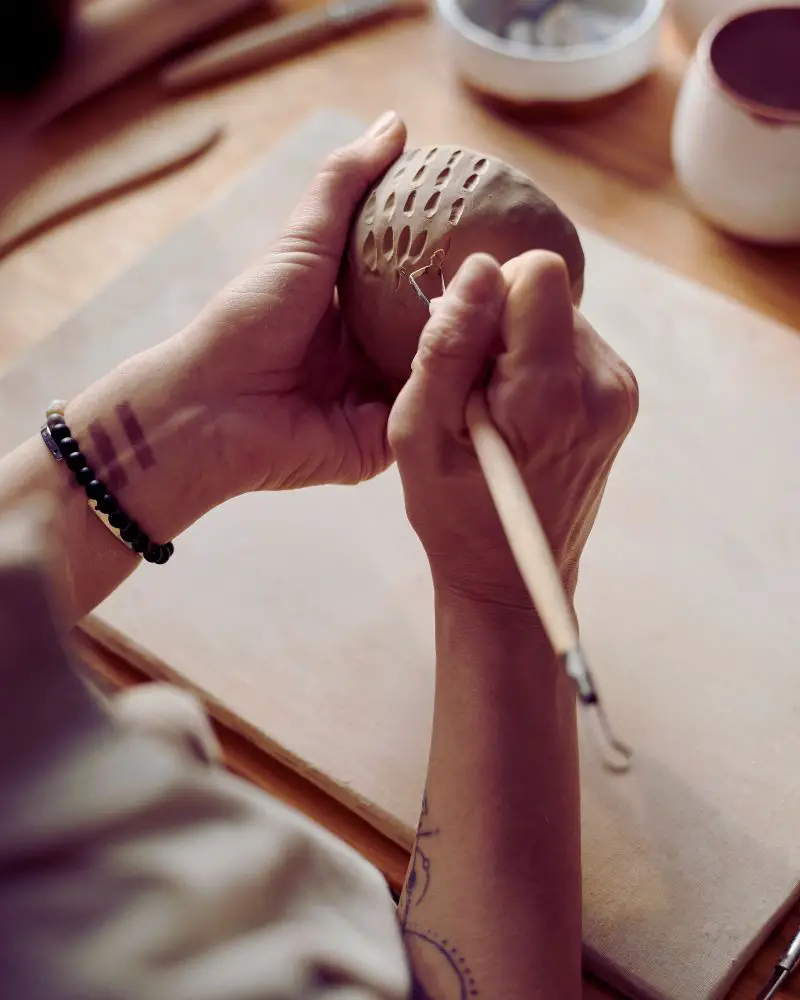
{"x": 149, "y": 431}
{"x": 495, "y": 626}
{"x": 499, "y": 649}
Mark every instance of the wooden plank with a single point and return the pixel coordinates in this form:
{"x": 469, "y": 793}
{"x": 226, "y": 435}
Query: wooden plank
{"x": 610, "y": 169}
{"x": 686, "y": 599}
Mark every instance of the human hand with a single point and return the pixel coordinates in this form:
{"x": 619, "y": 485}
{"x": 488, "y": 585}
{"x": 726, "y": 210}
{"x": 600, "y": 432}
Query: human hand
{"x": 293, "y": 401}
{"x": 559, "y": 395}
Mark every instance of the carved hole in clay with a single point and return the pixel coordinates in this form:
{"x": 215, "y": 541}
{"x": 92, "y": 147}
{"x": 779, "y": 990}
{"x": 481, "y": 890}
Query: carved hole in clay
{"x": 471, "y": 182}
{"x": 369, "y": 209}
{"x": 432, "y": 204}
{"x": 403, "y": 241}
{"x": 443, "y": 177}
{"x": 480, "y": 165}
{"x": 388, "y": 205}
{"x": 398, "y": 277}
{"x": 431, "y": 154}
{"x": 408, "y": 208}
{"x": 443, "y": 249}
{"x": 402, "y": 163}
{"x": 369, "y": 251}
{"x": 416, "y": 180}
{"x": 456, "y": 211}
{"x": 455, "y": 156}
{"x": 388, "y": 243}
{"x": 418, "y": 246}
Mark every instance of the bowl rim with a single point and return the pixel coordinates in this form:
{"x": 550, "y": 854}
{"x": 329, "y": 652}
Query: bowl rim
{"x": 633, "y": 32}
{"x": 770, "y": 114}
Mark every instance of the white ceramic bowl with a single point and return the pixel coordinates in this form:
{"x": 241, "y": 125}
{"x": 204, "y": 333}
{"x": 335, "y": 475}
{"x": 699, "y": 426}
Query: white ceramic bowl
{"x": 528, "y": 74}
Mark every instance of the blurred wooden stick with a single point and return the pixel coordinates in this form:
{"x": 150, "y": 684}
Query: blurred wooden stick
{"x": 110, "y": 40}
{"x": 131, "y": 157}
{"x": 523, "y": 529}
{"x": 270, "y": 42}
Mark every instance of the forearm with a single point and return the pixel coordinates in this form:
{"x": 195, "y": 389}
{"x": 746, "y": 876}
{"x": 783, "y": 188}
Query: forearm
{"x": 148, "y": 433}
{"x": 493, "y": 899}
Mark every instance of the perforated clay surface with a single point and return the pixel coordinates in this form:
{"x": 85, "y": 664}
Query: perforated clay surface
{"x": 438, "y": 198}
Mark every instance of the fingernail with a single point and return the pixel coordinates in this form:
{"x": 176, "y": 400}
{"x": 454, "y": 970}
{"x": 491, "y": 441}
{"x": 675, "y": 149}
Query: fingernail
{"x": 381, "y": 125}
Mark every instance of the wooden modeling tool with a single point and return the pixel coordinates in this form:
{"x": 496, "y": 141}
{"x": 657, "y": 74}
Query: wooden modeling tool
{"x": 532, "y": 552}
{"x": 268, "y": 43}
{"x": 111, "y": 40}
{"x": 130, "y": 159}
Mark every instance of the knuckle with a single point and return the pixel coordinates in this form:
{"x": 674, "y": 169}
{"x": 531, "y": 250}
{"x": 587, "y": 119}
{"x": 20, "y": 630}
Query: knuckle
{"x": 438, "y": 343}
{"x": 403, "y": 440}
{"x": 344, "y": 168}
{"x": 337, "y": 162}
{"x": 540, "y": 416}
{"x": 449, "y": 334}
{"x": 612, "y": 395}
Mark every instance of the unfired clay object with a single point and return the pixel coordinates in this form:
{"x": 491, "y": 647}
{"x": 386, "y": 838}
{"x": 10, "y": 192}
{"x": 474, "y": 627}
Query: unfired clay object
{"x": 439, "y": 198}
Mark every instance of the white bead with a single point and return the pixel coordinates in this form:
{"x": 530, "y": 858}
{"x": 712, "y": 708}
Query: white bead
{"x": 57, "y": 406}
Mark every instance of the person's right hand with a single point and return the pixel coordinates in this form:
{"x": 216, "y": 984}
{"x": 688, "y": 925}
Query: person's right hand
{"x": 560, "y": 396}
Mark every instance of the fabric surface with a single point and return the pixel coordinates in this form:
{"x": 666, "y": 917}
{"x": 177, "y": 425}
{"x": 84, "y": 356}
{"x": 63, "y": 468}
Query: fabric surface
{"x": 132, "y": 866}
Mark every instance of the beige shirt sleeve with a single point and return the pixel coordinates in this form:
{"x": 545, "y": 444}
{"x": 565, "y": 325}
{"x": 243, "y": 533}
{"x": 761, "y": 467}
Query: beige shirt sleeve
{"x": 133, "y": 867}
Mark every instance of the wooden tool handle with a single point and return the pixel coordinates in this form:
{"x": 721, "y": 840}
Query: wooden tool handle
{"x": 269, "y": 43}
{"x": 134, "y": 156}
{"x": 111, "y": 39}
{"x": 249, "y": 50}
{"x": 522, "y": 526}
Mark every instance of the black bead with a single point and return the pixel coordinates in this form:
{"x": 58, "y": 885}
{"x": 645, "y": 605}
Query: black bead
{"x": 171, "y": 547}
{"x": 59, "y": 429}
{"x": 66, "y": 445}
{"x": 55, "y": 418}
{"x": 142, "y": 544}
{"x": 95, "y": 489}
{"x": 130, "y": 533}
{"x": 77, "y": 460}
{"x": 84, "y": 476}
{"x": 106, "y": 504}
{"x": 119, "y": 520}
{"x": 153, "y": 554}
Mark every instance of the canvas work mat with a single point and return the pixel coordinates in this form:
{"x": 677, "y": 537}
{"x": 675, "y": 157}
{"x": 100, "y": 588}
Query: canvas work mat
{"x": 305, "y": 619}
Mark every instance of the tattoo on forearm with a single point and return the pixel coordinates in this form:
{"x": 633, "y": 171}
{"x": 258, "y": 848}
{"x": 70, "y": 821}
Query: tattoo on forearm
{"x": 111, "y": 468}
{"x": 436, "y": 959}
{"x": 419, "y": 870}
{"x": 142, "y": 451}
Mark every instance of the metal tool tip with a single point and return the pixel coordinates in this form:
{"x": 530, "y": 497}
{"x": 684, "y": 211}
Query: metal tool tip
{"x": 616, "y": 755}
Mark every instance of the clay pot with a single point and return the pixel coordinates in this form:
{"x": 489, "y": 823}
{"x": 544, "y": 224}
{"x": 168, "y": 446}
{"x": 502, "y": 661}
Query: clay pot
{"x": 439, "y": 198}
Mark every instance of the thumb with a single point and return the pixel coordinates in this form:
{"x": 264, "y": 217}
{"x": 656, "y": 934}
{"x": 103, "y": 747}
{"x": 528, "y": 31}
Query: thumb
{"x": 321, "y": 222}
{"x": 457, "y": 341}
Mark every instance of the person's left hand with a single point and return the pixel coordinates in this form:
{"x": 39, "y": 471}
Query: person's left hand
{"x": 294, "y": 402}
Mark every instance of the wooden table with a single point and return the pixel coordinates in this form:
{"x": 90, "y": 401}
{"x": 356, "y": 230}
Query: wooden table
{"x": 608, "y": 166}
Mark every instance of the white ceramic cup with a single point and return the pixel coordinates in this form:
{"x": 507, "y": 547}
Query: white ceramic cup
{"x": 692, "y": 17}
{"x": 736, "y": 132}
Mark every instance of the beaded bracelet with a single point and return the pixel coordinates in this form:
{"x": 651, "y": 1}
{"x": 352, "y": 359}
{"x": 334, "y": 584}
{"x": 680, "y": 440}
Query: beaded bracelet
{"x": 64, "y": 448}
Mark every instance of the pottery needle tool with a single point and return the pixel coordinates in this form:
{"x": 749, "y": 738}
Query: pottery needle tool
{"x": 787, "y": 964}
{"x": 531, "y": 550}
{"x": 265, "y": 44}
